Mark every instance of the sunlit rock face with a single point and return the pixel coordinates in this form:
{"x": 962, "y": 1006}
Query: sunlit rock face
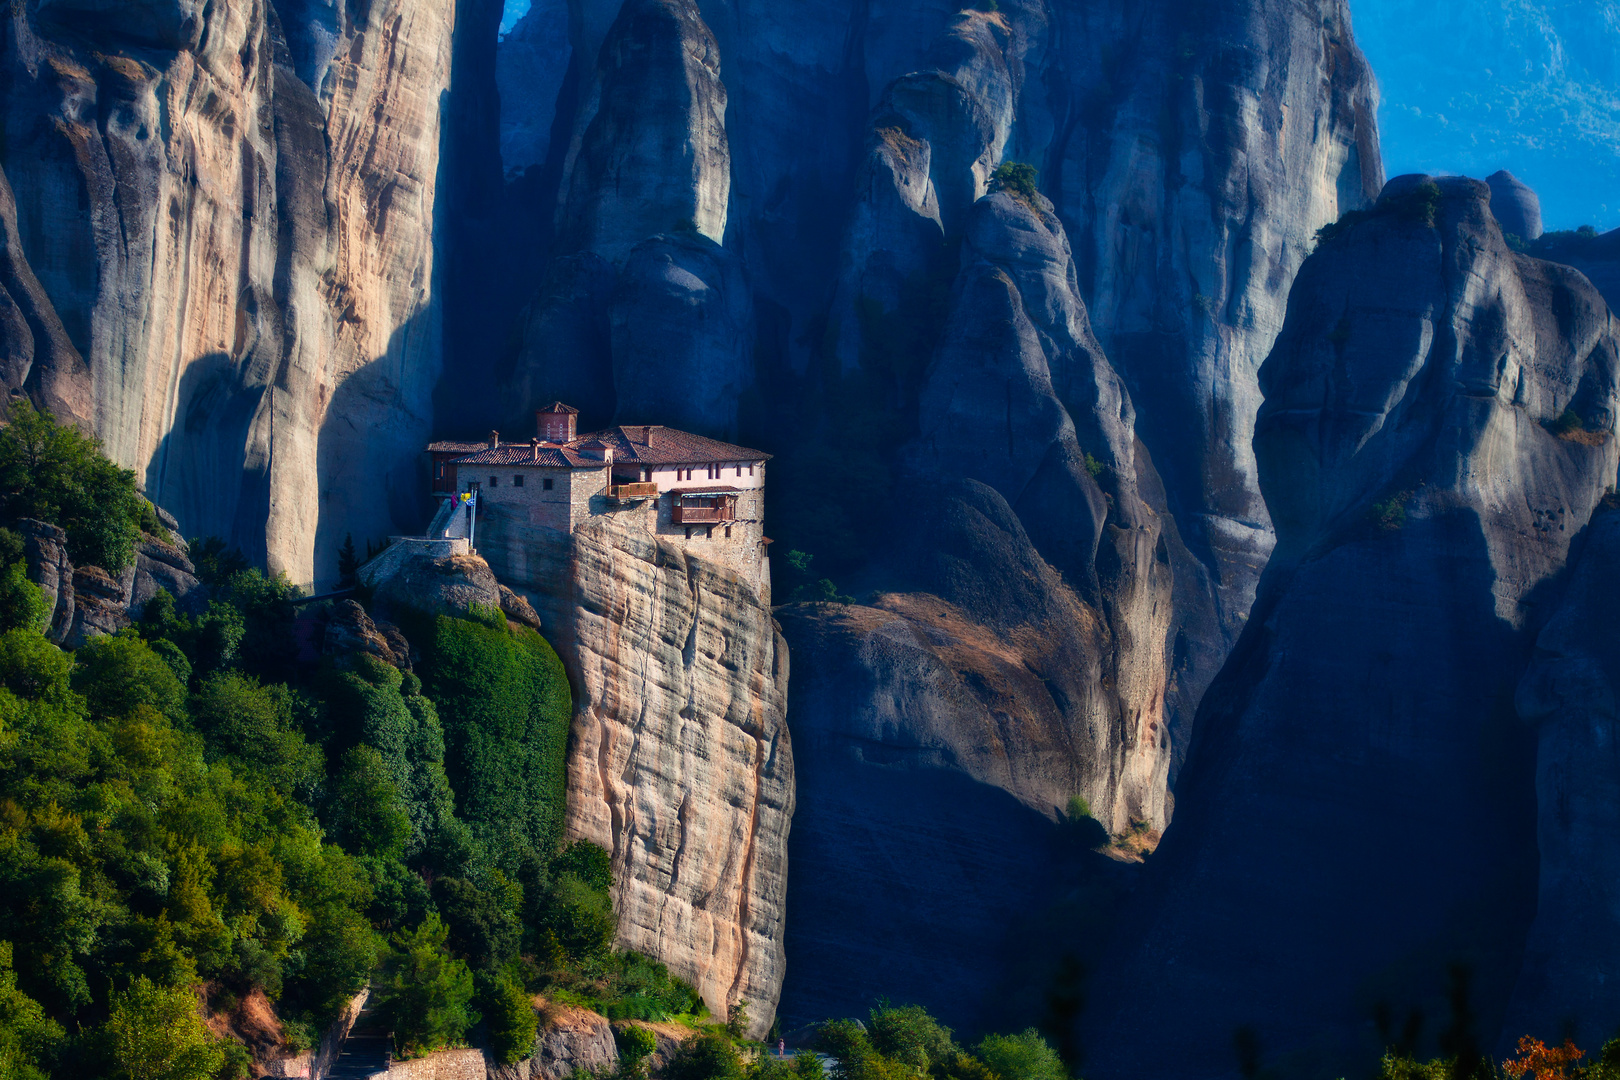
{"x": 227, "y": 209}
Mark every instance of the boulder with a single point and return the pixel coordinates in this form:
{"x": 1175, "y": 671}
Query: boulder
{"x": 45, "y": 548}
{"x": 411, "y": 575}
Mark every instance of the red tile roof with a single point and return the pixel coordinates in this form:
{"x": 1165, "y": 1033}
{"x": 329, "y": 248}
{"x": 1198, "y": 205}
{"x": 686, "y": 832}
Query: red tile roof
{"x": 457, "y": 446}
{"x": 640, "y": 444}
{"x": 558, "y": 407}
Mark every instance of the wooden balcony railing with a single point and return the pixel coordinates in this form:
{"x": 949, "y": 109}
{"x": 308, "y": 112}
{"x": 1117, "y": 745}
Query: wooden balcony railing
{"x": 632, "y": 491}
{"x": 701, "y": 515}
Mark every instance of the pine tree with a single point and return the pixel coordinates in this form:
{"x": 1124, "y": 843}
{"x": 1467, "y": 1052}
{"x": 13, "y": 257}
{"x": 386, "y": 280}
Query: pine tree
{"x": 348, "y": 560}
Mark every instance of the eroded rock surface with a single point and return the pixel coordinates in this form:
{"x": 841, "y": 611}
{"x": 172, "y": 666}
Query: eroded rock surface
{"x": 1568, "y": 695}
{"x": 1425, "y": 496}
{"x": 227, "y": 216}
{"x": 679, "y": 762}
{"x": 1515, "y": 206}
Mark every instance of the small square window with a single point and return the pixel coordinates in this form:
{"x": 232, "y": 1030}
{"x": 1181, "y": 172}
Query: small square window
{"x": 494, "y": 481}
{"x": 517, "y": 481}
{"x": 728, "y": 532}
{"x": 546, "y": 483}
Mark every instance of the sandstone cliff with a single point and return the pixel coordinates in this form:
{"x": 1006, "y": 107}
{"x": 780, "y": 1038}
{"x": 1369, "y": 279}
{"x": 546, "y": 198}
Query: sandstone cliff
{"x": 679, "y": 762}
{"x": 222, "y": 252}
{"x": 897, "y": 326}
{"x": 1357, "y": 812}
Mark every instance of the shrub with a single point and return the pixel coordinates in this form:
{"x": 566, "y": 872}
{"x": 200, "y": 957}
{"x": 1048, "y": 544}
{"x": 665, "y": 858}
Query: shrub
{"x": 53, "y": 473}
{"x": 1025, "y": 1056}
{"x": 425, "y": 993}
{"x": 708, "y": 1055}
{"x": 1017, "y": 179}
{"x": 1390, "y": 513}
{"x": 636, "y": 1044}
{"x": 1568, "y": 421}
{"x": 366, "y": 812}
{"x": 27, "y": 1035}
{"x": 1094, "y": 467}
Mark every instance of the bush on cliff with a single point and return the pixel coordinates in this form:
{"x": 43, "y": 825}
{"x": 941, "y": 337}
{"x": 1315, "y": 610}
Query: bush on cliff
{"x": 53, "y": 473}
{"x": 424, "y": 992}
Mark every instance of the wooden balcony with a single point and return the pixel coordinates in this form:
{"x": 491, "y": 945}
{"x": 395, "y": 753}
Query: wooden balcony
{"x": 702, "y": 515}
{"x": 626, "y": 492}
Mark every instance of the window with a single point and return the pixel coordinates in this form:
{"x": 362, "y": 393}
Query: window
{"x": 708, "y": 533}
{"x": 750, "y": 470}
{"x": 689, "y": 532}
{"x": 441, "y": 470}
{"x": 546, "y": 483}
{"x": 494, "y": 481}
{"x": 728, "y": 532}
{"x": 517, "y": 481}
{"x": 739, "y": 470}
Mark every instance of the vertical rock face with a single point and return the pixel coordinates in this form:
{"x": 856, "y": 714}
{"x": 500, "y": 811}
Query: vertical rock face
{"x": 228, "y": 208}
{"x": 679, "y": 761}
{"x": 1425, "y": 494}
{"x": 1569, "y": 696}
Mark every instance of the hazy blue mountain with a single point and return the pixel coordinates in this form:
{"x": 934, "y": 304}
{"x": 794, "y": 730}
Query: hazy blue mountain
{"x": 1533, "y": 86}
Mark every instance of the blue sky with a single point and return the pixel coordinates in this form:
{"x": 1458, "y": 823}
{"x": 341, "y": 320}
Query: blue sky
{"x": 515, "y": 10}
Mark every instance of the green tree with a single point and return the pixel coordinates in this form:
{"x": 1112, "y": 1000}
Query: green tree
{"x": 1017, "y": 179}
{"x": 55, "y": 474}
{"x": 1025, "y": 1056}
{"x": 908, "y": 1034}
{"x": 27, "y": 1035}
{"x": 366, "y": 812}
{"x": 22, "y": 603}
{"x": 708, "y": 1055}
{"x": 348, "y": 560}
{"x": 120, "y": 672}
{"x": 157, "y": 1034}
{"x": 425, "y": 993}
{"x": 253, "y": 725}
{"x": 510, "y": 1019}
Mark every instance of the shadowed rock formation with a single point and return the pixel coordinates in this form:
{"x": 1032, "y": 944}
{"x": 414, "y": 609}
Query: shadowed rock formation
{"x": 1357, "y": 812}
{"x": 1569, "y": 695}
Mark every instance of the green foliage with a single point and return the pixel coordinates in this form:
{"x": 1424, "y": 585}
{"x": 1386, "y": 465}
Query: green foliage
{"x": 510, "y": 1020}
{"x": 27, "y": 1035}
{"x": 1025, "y": 1056}
{"x": 589, "y": 862}
{"x": 635, "y": 1044}
{"x": 1017, "y": 179}
{"x": 367, "y": 815}
{"x": 1390, "y": 513}
{"x": 215, "y": 563}
{"x": 485, "y": 920}
{"x": 708, "y": 1055}
{"x": 1417, "y": 205}
{"x": 254, "y": 727}
{"x": 55, "y": 474}
{"x": 908, "y": 1034}
{"x": 505, "y": 706}
{"x": 578, "y": 918}
{"x": 157, "y": 1034}
{"x": 120, "y": 673}
{"x": 425, "y": 993}
{"x": 987, "y": 5}
{"x": 1568, "y": 421}
{"x": 1094, "y": 467}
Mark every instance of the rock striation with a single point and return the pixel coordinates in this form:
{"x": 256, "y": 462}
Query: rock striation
{"x": 679, "y": 761}
{"x": 1568, "y": 695}
{"x": 1439, "y": 426}
{"x": 222, "y": 256}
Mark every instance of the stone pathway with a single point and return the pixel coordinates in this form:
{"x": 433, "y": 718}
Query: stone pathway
{"x": 365, "y": 1051}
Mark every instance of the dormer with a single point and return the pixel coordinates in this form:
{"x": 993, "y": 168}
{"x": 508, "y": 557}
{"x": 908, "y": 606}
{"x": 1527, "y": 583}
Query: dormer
{"x": 556, "y": 422}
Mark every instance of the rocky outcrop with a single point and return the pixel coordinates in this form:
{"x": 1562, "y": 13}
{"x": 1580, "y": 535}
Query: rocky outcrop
{"x": 1515, "y": 206}
{"x": 87, "y": 602}
{"x": 226, "y": 209}
{"x": 1567, "y": 987}
{"x": 679, "y": 761}
{"x": 530, "y": 65}
{"x": 1439, "y": 424}
{"x": 568, "y": 1041}
{"x": 427, "y": 576}
{"x": 350, "y": 631}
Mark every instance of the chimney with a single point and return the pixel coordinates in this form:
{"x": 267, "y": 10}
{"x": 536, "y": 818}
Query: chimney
{"x": 494, "y": 440}
{"x": 556, "y": 422}
{"x": 534, "y": 448}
